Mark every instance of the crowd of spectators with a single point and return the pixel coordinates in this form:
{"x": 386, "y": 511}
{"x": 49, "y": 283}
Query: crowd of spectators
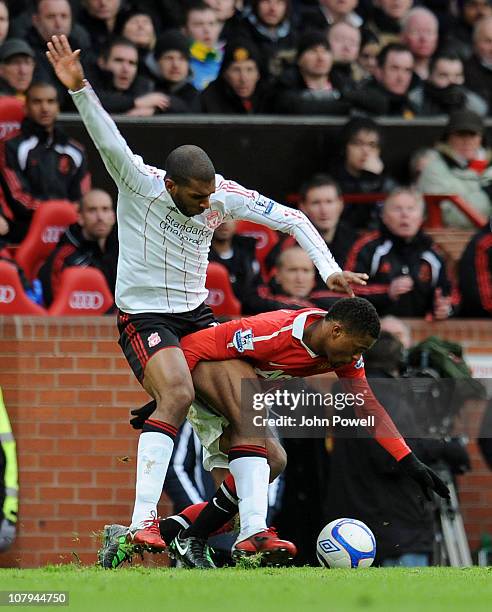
{"x": 360, "y": 59}
{"x": 260, "y": 56}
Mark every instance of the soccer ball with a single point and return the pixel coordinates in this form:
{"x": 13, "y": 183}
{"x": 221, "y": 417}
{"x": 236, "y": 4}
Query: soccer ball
{"x": 346, "y": 542}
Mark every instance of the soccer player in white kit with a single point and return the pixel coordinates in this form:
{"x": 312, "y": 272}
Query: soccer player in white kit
{"x": 166, "y": 220}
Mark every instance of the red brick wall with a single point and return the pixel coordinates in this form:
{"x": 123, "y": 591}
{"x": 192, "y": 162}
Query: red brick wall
{"x": 68, "y": 392}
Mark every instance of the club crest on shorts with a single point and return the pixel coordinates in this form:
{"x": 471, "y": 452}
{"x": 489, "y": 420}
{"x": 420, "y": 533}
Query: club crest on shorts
{"x": 153, "y": 340}
{"x": 213, "y": 220}
{"x": 243, "y": 340}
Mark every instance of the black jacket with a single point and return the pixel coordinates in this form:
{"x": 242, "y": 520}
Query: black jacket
{"x": 98, "y": 30}
{"x": 361, "y": 216}
{"x": 475, "y": 275}
{"x": 431, "y": 100}
{"x": 294, "y": 98}
{"x": 244, "y": 274}
{"x": 273, "y": 48}
{"x": 74, "y": 250}
{"x": 384, "y": 257}
{"x": 384, "y": 26}
{"x": 376, "y": 100}
{"x": 36, "y": 167}
{"x": 479, "y": 78}
{"x": 114, "y": 100}
{"x": 184, "y": 91}
{"x": 220, "y": 98}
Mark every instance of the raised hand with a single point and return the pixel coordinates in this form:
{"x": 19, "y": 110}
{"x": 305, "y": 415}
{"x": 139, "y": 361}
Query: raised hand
{"x": 65, "y": 62}
{"x": 340, "y": 281}
{"x": 153, "y": 100}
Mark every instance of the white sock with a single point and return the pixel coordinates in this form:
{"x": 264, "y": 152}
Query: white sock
{"x": 154, "y": 453}
{"x": 251, "y": 476}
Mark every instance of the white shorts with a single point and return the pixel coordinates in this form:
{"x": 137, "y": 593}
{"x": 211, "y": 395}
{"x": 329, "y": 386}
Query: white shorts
{"x": 209, "y": 426}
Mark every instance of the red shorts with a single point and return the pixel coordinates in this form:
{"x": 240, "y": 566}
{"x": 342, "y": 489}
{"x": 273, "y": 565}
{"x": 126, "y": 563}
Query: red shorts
{"x": 208, "y": 344}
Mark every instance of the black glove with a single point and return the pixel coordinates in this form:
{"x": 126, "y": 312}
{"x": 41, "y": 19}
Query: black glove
{"x": 142, "y": 414}
{"x": 424, "y": 476}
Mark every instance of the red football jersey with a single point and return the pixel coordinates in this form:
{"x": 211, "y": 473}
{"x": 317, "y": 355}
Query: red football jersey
{"x": 272, "y": 342}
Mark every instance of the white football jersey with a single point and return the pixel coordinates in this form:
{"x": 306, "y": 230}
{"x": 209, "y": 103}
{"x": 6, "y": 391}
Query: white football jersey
{"x": 163, "y": 254}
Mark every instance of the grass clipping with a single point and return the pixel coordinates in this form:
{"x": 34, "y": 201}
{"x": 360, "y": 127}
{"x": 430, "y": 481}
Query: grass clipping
{"x": 250, "y": 562}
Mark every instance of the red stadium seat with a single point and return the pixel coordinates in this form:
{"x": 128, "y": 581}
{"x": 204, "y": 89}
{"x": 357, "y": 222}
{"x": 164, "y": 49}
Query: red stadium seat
{"x": 82, "y": 291}
{"x": 49, "y": 221}
{"x": 266, "y": 239}
{"x": 13, "y": 299}
{"x": 11, "y": 115}
{"x": 221, "y": 298}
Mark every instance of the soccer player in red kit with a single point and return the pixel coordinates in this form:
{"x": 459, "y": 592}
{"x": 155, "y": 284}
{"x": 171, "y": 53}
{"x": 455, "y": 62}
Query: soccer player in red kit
{"x": 287, "y": 343}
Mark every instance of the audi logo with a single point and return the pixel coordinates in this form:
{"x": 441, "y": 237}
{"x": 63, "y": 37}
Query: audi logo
{"x": 7, "y": 294}
{"x": 52, "y": 233}
{"x": 215, "y": 297}
{"x": 6, "y": 127}
{"x": 86, "y": 300}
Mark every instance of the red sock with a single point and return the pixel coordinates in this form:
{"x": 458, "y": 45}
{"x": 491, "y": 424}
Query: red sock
{"x": 230, "y": 484}
{"x": 191, "y": 512}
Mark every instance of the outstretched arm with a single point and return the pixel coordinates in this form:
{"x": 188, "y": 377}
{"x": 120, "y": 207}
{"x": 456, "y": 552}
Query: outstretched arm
{"x": 250, "y": 205}
{"x": 127, "y": 170}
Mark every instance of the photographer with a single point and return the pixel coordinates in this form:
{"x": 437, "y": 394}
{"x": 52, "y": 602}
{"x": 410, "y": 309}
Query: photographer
{"x": 368, "y": 484}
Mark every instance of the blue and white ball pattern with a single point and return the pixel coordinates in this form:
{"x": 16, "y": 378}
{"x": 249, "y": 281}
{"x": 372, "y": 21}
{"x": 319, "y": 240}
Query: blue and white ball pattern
{"x": 346, "y": 542}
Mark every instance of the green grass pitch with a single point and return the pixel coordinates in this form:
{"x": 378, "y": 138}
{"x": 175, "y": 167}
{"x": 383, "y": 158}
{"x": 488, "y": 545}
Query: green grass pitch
{"x": 256, "y": 590}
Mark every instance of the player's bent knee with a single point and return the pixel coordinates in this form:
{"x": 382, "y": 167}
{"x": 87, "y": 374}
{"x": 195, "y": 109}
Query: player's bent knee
{"x": 172, "y": 398}
{"x": 178, "y": 396}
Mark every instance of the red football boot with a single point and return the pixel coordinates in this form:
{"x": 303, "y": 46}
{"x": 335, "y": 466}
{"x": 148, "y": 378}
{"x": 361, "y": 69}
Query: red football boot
{"x": 274, "y": 550}
{"x": 149, "y": 537}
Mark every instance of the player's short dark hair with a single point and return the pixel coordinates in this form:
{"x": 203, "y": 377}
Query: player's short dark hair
{"x": 189, "y": 162}
{"x": 358, "y": 316}
{"x": 391, "y": 48}
{"x": 116, "y": 41}
{"x": 319, "y": 180}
